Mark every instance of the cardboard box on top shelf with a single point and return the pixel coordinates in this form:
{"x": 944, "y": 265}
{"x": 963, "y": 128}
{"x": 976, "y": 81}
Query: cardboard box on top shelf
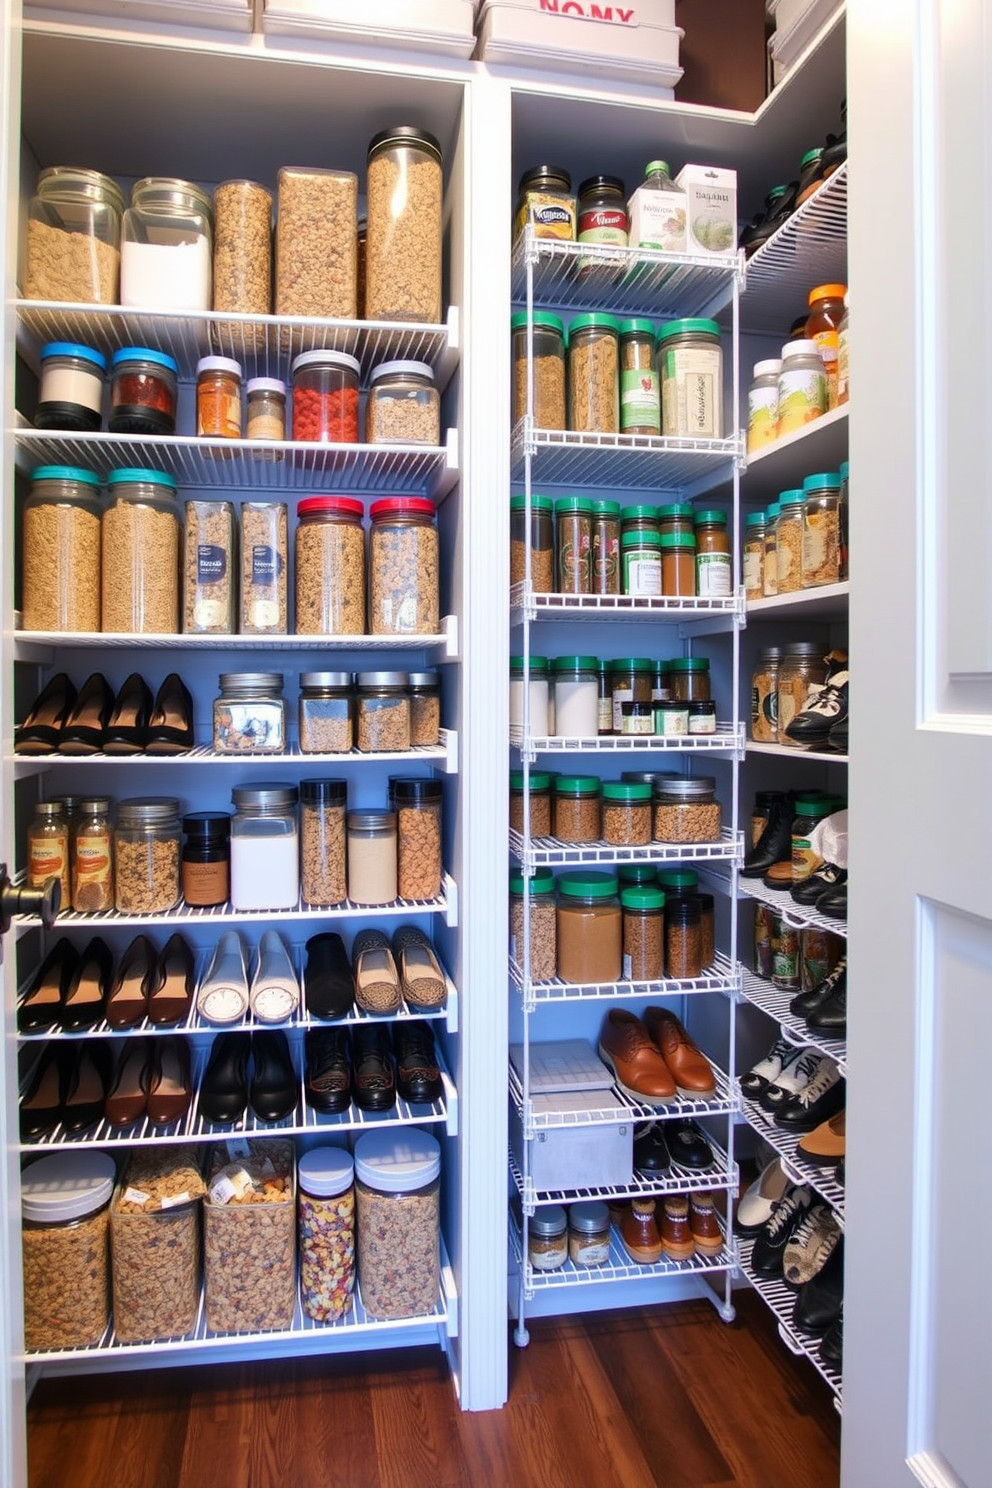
{"x": 723, "y": 53}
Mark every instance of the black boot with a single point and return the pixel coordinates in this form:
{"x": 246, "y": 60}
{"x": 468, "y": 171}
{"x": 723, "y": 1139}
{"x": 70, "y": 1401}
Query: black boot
{"x": 775, "y": 843}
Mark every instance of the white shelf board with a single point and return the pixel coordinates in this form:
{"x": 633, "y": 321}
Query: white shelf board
{"x": 599, "y": 607}
{"x": 445, "y": 754}
{"x": 827, "y": 602}
{"x": 41, "y": 645}
{"x": 809, "y": 248}
{"x": 619, "y": 1267}
{"x": 783, "y": 751}
{"x": 728, "y": 739}
{"x": 541, "y": 850}
{"x": 782, "y": 1301}
{"x": 819, "y": 447}
{"x": 725, "y": 1101}
{"x": 634, "y": 462}
{"x": 794, "y": 914}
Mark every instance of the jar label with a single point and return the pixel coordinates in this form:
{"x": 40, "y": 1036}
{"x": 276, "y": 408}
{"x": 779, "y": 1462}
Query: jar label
{"x": 574, "y": 558}
{"x": 642, "y": 572}
{"x": 628, "y": 967}
{"x": 634, "y": 725}
{"x": 802, "y": 397}
{"x": 93, "y": 858}
{"x": 805, "y": 859}
{"x": 713, "y": 575}
{"x": 211, "y": 563}
{"x": 692, "y": 391}
{"x": 703, "y": 723}
{"x": 762, "y": 417}
{"x": 821, "y": 562}
{"x": 753, "y": 572}
{"x": 670, "y": 722}
{"x": 266, "y": 564}
{"x": 621, "y": 695}
{"x": 657, "y": 220}
{"x": 640, "y": 400}
{"x": 606, "y": 563}
{"x": 606, "y": 715}
{"x": 46, "y": 860}
{"x": 603, "y": 225}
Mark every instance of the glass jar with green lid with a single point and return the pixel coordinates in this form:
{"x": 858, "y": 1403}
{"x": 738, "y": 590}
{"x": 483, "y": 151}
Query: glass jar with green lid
{"x": 640, "y": 393}
{"x": 634, "y": 874}
{"x": 678, "y": 565}
{"x": 640, "y": 555}
{"x": 809, "y": 810}
{"x": 593, "y": 370}
{"x": 605, "y": 547}
{"x": 605, "y": 700}
{"x": 540, "y": 802}
{"x": 713, "y": 576}
{"x": 684, "y": 939}
{"x": 690, "y": 361}
{"x": 689, "y": 678}
{"x": 542, "y": 543}
{"x": 660, "y": 686}
{"x": 678, "y": 883}
{"x": 789, "y": 542}
{"x": 576, "y": 696}
{"x": 631, "y": 683}
{"x": 638, "y": 520}
{"x": 821, "y": 530}
{"x": 549, "y": 367}
{"x": 577, "y": 808}
{"x": 590, "y": 935}
{"x": 140, "y": 546}
{"x": 626, "y": 813}
{"x": 676, "y": 517}
{"x": 573, "y": 532}
{"x": 643, "y": 932}
{"x": 538, "y": 693}
{"x": 754, "y": 556}
{"x": 542, "y": 920}
{"x": 60, "y": 550}
{"x": 74, "y": 238}
{"x": 769, "y": 572}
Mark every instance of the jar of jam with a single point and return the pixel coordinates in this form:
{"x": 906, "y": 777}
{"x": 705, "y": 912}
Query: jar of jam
{"x": 325, "y": 397}
{"x": 143, "y": 391}
{"x": 602, "y": 219}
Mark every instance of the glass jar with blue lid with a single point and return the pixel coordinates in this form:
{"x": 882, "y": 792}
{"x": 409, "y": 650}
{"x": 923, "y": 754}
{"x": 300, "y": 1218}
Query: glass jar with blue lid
{"x": 71, "y": 393}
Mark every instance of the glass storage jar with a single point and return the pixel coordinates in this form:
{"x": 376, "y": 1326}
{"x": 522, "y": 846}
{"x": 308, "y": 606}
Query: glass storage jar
{"x": 326, "y": 1235}
{"x": 576, "y": 696}
{"x": 707, "y": 929}
{"x": 65, "y": 1243}
{"x": 643, "y": 932}
{"x": 425, "y": 709}
{"x": 264, "y": 568}
{"x": 167, "y": 246}
{"x": 573, "y": 534}
{"x": 70, "y": 395}
{"x": 639, "y": 521}
{"x": 540, "y": 723}
{"x": 418, "y": 824}
{"x": 540, "y": 802}
{"x": 802, "y": 668}
{"x": 689, "y": 679}
{"x": 325, "y": 713}
{"x": 403, "y": 406}
{"x": 702, "y": 718}
{"x": 826, "y": 311}
{"x": 821, "y": 531}
{"x": 786, "y": 955}
{"x": 802, "y": 387}
{"x": 147, "y": 876}
{"x": 382, "y": 708}
{"x": 605, "y": 547}
{"x": 762, "y": 405}
{"x": 686, "y": 810}
{"x": 676, "y": 519}
{"x": 266, "y": 416}
{"x": 637, "y": 718}
{"x": 713, "y": 576}
{"x": 74, "y": 236}
{"x": 542, "y": 543}
{"x": 542, "y": 918}
{"x": 397, "y": 1187}
{"x": 140, "y": 540}
{"x": 670, "y": 718}
{"x": 143, "y": 391}
{"x": 330, "y": 566}
{"x": 60, "y": 550}
{"x": 242, "y": 277}
{"x": 690, "y": 361}
{"x": 764, "y": 932}
{"x": 218, "y": 398}
{"x": 789, "y": 542}
{"x": 678, "y": 566}
{"x": 769, "y": 571}
{"x": 265, "y": 860}
{"x": 91, "y": 855}
{"x": 809, "y": 811}
{"x": 403, "y": 249}
{"x": 323, "y": 845}
{"x": 249, "y": 716}
{"x": 547, "y": 1238}
{"x": 155, "y": 1244}
{"x": 577, "y": 817}
{"x": 602, "y": 220}
{"x": 404, "y": 597}
{"x": 590, "y": 935}
{"x": 640, "y": 557}
{"x": 545, "y": 201}
{"x": 206, "y": 857}
{"x": 683, "y": 938}
{"x": 661, "y": 690}
{"x": 593, "y": 374}
{"x": 210, "y": 574}
{"x": 626, "y": 813}
{"x": 754, "y": 556}
{"x": 316, "y": 243}
{"x": 48, "y": 850}
{"x": 640, "y": 391}
{"x": 842, "y": 538}
{"x": 631, "y": 679}
{"x": 249, "y": 1247}
{"x": 325, "y": 397}
{"x": 549, "y": 368}
{"x": 589, "y": 1234}
{"x": 372, "y": 857}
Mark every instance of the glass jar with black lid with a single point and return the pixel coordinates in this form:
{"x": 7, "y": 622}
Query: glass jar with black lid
{"x": 206, "y": 857}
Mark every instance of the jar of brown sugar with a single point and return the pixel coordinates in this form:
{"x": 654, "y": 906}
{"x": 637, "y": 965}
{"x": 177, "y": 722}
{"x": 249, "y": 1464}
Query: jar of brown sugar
{"x": 577, "y": 810}
{"x": 590, "y": 932}
{"x": 678, "y": 565}
{"x": 643, "y": 933}
{"x": 626, "y": 813}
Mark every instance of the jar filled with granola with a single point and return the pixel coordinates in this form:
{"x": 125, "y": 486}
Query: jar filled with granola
{"x": 140, "y": 542}
{"x": 60, "y": 563}
{"x": 382, "y": 707}
{"x": 249, "y": 1237}
{"x": 593, "y": 374}
{"x": 547, "y": 337}
{"x": 547, "y": 1238}
{"x": 324, "y": 713}
{"x": 210, "y": 576}
{"x": 419, "y": 824}
{"x": 155, "y": 1234}
{"x": 65, "y": 1248}
{"x": 789, "y": 542}
{"x": 425, "y": 709}
{"x": 626, "y": 813}
{"x": 542, "y": 542}
{"x": 821, "y": 531}
{"x": 264, "y": 568}
{"x": 577, "y": 809}
{"x": 323, "y": 848}
{"x": 404, "y": 406}
{"x": 754, "y": 556}
{"x": 542, "y": 920}
{"x": 539, "y": 795}
{"x": 326, "y": 1223}
{"x": 686, "y": 810}
{"x": 74, "y": 236}
{"x": 397, "y": 1187}
{"x": 403, "y": 247}
{"x": 403, "y": 567}
{"x": 148, "y": 841}
{"x": 330, "y": 566}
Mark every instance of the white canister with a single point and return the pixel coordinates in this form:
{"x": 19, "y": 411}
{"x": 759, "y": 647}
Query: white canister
{"x": 576, "y": 696}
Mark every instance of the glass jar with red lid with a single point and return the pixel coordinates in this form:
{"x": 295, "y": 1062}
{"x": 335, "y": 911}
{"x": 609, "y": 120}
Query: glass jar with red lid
{"x": 403, "y": 567}
{"x": 330, "y": 566}
{"x": 325, "y": 397}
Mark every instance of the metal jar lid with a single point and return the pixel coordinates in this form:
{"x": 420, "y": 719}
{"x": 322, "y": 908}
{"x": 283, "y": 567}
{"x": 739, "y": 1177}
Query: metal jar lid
{"x": 270, "y": 793}
{"x": 805, "y": 649}
{"x": 260, "y": 684}
{"x": 325, "y": 679}
{"x": 147, "y": 811}
{"x": 372, "y": 821}
{"x": 49, "y": 808}
{"x": 588, "y": 1218}
{"x": 381, "y": 679}
{"x": 688, "y": 787}
{"x": 424, "y": 679}
{"x": 549, "y": 1222}
{"x": 94, "y": 805}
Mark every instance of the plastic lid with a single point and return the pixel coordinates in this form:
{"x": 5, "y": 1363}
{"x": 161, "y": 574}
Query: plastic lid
{"x": 265, "y": 793}
{"x": 791, "y": 498}
{"x": 773, "y": 511}
{"x": 566, "y": 504}
{"x": 542, "y": 320}
{"x": 543, "y": 881}
{"x": 589, "y": 1217}
{"x": 675, "y": 509}
{"x": 65, "y": 473}
{"x": 414, "y": 369}
{"x": 66, "y": 1185}
{"x": 686, "y": 908}
{"x": 537, "y": 503}
{"x": 828, "y": 481}
{"x": 416, "y": 792}
{"x": 72, "y": 348}
{"x": 717, "y": 518}
{"x": 596, "y": 321}
{"x": 637, "y": 327}
{"x": 642, "y": 540}
{"x": 770, "y": 367}
{"x": 324, "y": 792}
{"x": 577, "y": 785}
{"x": 845, "y": 470}
{"x": 48, "y": 808}
{"x": 149, "y": 477}
{"x": 325, "y": 1171}
{"x": 632, "y": 664}
{"x": 549, "y": 1222}
{"x": 606, "y": 509}
{"x": 147, "y": 810}
{"x": 315, "y": 506}
{"x": 397, "y": 505}
{"x": 144, "y": 354}
{"x": 678, "y": 878}
{"x": 424, "y": 679}
{"x": 688, "y": 787}
{"x": 693, "y": 326}
{"x": 634, "y": 513}
{"x": 827, "y": 292}
{"x": 678, "y": 540}
{"x": 207, "y": 824}
{"x": 537, "y": 663}
{"x": 218, "y": 364}
{"x": 325, "y": 359}
{"x": 813, "y": 806}
{"x": 755, "y": 519}
{"x": 94, "y": 805}
{"x": 626, "y": 790}
{"x": 397, "y": 1161}
{"x": 653, "y": 777}
{"x": 589, "y": 885}
{"x": 637, "y": 873}
{"x": 404, "y": 134}
{"x": 540, "y": 780}
{"x": 265, "y": 385}
{"x": 799, "y": 348}
{"x": 575, "y": 664}
{"x": 544, "y": 173}
{"x": 672, "y": 705}
{"x": 689, "y": 664}
{"x": 810, "y": 156}
{"x": 770, "y": 653}
{"x": 642, "y": 897}
{"x": 657, "y": 165}
{"x": 701, "y": 706}
{"x": 325, "y": 679}
{"x": 382, "y": 679}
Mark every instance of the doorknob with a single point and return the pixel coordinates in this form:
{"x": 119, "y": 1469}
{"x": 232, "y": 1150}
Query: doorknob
{"x": 15, "y": 899}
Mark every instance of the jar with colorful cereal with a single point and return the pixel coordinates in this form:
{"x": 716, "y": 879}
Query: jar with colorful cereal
{"x": 542, "y": 920}
{"x": 643, "y": 932}
{"x": 326, "y": 1233}
{"x": 573, "y": 527}
{"x": 626, "y": 813}
{"x": 593, "y": 367}
{"x": 577, "y": 808}
{"x": 540, "y": 802}
{"x": 325, "y": 397}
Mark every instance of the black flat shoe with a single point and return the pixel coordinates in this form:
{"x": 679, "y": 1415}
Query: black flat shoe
{"x": 418, "y": 1078}
{"x": 42, "y": 1005}
{"x": 651, "y": 1154}
{"x": 373, "y": 1084}
{"x": 328, "y": 983}
{"x": 127, "y": 726}
{"x": 833, "y": 903}
{"x": 42, "y": 729}
{"x": 224, "y": 1087}
{"x": 686, "y": 1143}
{"x": 327, "y": 1083}
{"x": 86, "y": 726}
{"x": 170, "y": 727}
{"x": 88, "y": 1083}
{"x": 41, "y": 1104}
{"x": 85, "y": 1001}
{"x": 827, "y": 876}
{"x": 274, "y": 1084}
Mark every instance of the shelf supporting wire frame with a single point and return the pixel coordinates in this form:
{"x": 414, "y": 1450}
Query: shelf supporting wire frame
{"x": 719, "y": 1175}
{"x": 722, "y": 977}
{"x": 526, "y": 604}
{"x": 682, "y": 466}
{"x": 798, "y": 1167}
{"x": 775, "y": 1002}
{"x": 728, "y": 739}
{"x": 809, "y": 248}
{"x": 782, "y": 1302}
{"x": 796, "y": 915}
{"x": 725, "y": 1101}
{"x": 550, "y": 850}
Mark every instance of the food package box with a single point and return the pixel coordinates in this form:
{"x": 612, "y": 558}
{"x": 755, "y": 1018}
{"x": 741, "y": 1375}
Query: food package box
{"x": 444, "y": 27}
{"x": 637, "y": 41}
{"x": 155, "y": 1244}
{"x": 711, "y": 208}
{"x": 594, "y": 1154}
{"x": 217, "y": 15}
{"x": 796, "y": 24}
{"x": 249, "y": 1235}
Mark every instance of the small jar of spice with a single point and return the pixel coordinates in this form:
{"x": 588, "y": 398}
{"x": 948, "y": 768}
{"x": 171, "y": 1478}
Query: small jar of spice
{"x": 92, "y": 857}
{"x": 206, "y": 859}
{"x": 266, "y": 410}
{"x": 143, "y": 387}
{"x": 218, "y": 398}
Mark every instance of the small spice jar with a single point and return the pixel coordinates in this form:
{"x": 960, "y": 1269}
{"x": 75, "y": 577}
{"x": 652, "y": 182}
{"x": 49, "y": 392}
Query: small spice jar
{"x": 323, "y": 851}
{"x": 324, "y": 713}
{"x": 683, "y": 939}
{"x": 545, "y": 202}
{"x": 218, "y": 398}
{"x": 424, "y": 690}
{"x": 764, "y": 695}
{"x": 265, "y": 846}
{"x": 206, "y": 859}
{"x": 266, "y": 416}
{"x": 91, "y": 854}
{"x": 543, "y": 920}
{"x": 605, "y": 547}
{"x": 605, "y": 702}
{"x": 640, "y": 556}
{"x": 821, "y": 531}
{"x": 372, "y": 853}
{"x": 548, "y": 340}
{"x": 637, "y": 718}
{"x": 65, "y": 1240}
{"x": 643, "y": 932}
{"x": 671, "y": 718}
{"x": 701, "y": 718}
{"x": 537, "y": 692}
{"x": 801, "y": 667}
{"x": 325, "y": 397}
{"x": 264, "y": 568}
{"x": 577, "y": 808}
{"x": 148, "y": 835}
{"x": 397, "y": 1187}
{"x": 326, "y": 1233}
{"x": 589, "y": 1234}
{"x": 48, "y": 849}
{"x": 573, "y": 528}
{"x": 802, "y": 387}
{"x": 769, "y": 572}
{"x": 330, "y": 566}
{"x": 640, "y": 390}
{"x": 754, "y": 556}
{"x": 590, "y": 932}
{"x": 762, "y": 405}
{"x": 140, "y": 544}
{"x": 143, "y": 392}
{"x": 686, "y": 810}
{"x": 676, "y": 519}
{"x": 631, "y": 683}
{"x": 789, "y": 542}
{"x": 382, "y": 708}
{"x": 542, "y": 543}
{"x": 713, "y": 572}
{"x": 249, "y": 716}
{"x": 576, "y": 696}
{"x": 60, "y": 557}
{"x": 403, "y": 406}
{"x": 540, "y": 802}
{"x": 690, "y": 360}
{"x": 689, "y": 679}
{"x": 661, "y": 691}
{"x": 593, "y": 367}
{"x": 626, "y": 813}
{"x": 404, "y": 598}
{"x": 419, "y": 823}
{"x": 71, "y": 392}
{"x": 547, "y": 1238}
{"x": 678, "y": 566}
{"x": 403, "y": 250}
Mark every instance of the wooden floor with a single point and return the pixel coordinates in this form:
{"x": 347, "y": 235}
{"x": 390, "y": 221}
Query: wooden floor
{"x": 671, "y": 1397}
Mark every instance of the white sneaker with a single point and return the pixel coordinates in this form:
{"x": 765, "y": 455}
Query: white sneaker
{"x": 755, "y": 1208}
{"x": 767, "y": 1070}
{"x": 797, "y": 1071}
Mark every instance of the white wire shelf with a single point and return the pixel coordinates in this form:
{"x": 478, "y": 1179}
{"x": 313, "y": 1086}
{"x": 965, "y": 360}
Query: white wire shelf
{"x": 543, "y": 850}
{"x": 828, "y": 602}
{"x": 721, "y": 1175}
{"x": 619, "y": 1267}
{"x": 798, "y": 1168}
{"x": 249, "y": 464}
{"x": 784, "y": 751}
{"x": 809, "y": 248}
{"x": 446, "y": 753}
{"x": 728, "y": 739}
{"x": 264, "y": 344}
{"x": 724, "y": 1101}
{"x": 597, "y": 607}
{"x": 303, "y": 1333}
{"x": 819, "y": 446}
{"x": 641, "y": 462}
{"x": 775, "y": 1002}
{"x": 444, "y": 641}
{"x": 723, "y": 976}
{"x": 632, "y": 280}
{"x": 782, "y": 1300}
{"x": 794, "y": 914}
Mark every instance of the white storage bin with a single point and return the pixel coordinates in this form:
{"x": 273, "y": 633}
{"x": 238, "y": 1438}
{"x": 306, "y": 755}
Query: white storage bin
{"x": 217, "y": 15}
{"x": 796, "y": 24}
{"x": 636, "y": 42}
{"x": 445, "y": 27}
{"x": 596, "y": 1154}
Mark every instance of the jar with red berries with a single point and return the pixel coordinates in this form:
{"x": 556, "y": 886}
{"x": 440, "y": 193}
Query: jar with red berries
{"x": 325, "y": 398}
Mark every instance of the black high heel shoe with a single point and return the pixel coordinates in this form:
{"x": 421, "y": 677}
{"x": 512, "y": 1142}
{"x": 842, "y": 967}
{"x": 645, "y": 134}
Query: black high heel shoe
{"x": 127, "y": 726}
{"x": 41, "y": 1103}
{"x": 42, "y": 729}
{"x": 86, "y": 726}
{"x": 85, "y": 1001}
{"x": 42, "y": 1007}
{"x": 170, "y": 728}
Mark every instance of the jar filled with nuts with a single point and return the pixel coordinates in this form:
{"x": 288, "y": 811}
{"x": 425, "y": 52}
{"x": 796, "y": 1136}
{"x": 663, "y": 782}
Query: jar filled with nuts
{"x": 643, "y": 932}
{"x": 148, "y": 838}
{"x": 327, "y": 1232}
{"x": 325, "y": 713}
{"x": 140, "y": 554}
{"x": 542, "y": 920}
{"x": 61, "y": 550}
{"x": 382, "y": 705}
{"x": 542, "y": 542}
{"x": 548, "y": 334}
{"x": 404, "y": 594}
{"x": 540, "y": 802}
{"x": 425, "y": 709}
{"x": 403, "y": 248}
{"x": 418, "y": 812}
{"x": 323, "y": 846}
{"x": 683, "y": 939}
{"x": 404, "y": 406}
{"x": 397, "y": 1189}
{"x": 330, "y": 566}
{"x": 686, "y": 810}
{"x": 626, "y": 813}
{"x": 577, "y": 810}
{"x": 65, "y": 1246}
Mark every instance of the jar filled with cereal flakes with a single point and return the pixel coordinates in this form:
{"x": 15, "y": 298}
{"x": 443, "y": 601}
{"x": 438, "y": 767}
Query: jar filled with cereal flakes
{"x": 61, "y": 550}
{"x": 323, "y": 844}
{"x": 148, "y": 840}
{"x": 593, "y": 374}
{"x": 327, "y": 1232}
{"x": 325, "y": 713}
{"x": 382, "y": 706}
{"x": 65, "y": 1245}
{"x": 403, "y": 246}
{"x": 330, "y": 566}
{"x": 686, "y": 810}
{"x": 404, "y": 406}
{"x": 418, "y": 813}
{"x": 546, "y": 333}
{"x": 141, "y": 533}
{"x": 397, "y": 1186}
{"x": 403, "y": 567}
{"x": 542, "y": 920}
